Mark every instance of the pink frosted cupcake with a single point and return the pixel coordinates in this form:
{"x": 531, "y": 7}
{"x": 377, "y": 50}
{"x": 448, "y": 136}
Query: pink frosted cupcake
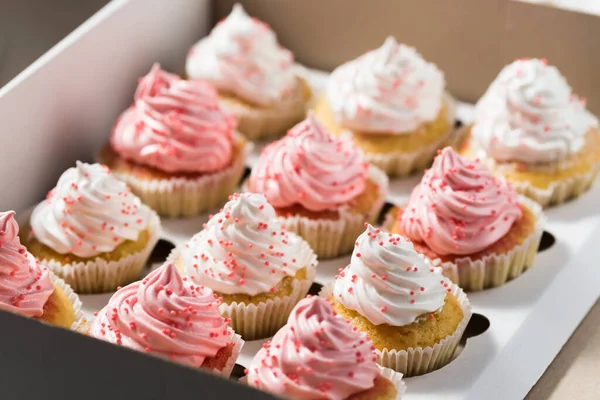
{"x": 318, "y": 355}
{"x": 170, "y": 317}
{"x": 175, "y": 147}
{"x": 320, "y": 186}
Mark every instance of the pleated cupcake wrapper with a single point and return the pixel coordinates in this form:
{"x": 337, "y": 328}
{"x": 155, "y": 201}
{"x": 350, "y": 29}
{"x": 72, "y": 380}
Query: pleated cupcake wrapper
{"x": 73, "y": 298}
{"x": 238, "y": 343}
{"x": 99, "y": 275}
{"x": 419, "y": 361}
{"x": 258, "y": 321}
{"x": 182, "y": 197}
{"x": 395, "y": 378}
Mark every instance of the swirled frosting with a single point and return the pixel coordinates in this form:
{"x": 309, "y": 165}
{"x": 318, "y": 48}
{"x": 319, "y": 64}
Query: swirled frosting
{"x": 243, "y": 249}
{"x": 530, "y": 114}
{"x": 164, "y": 315}
{"x": 459, "y": 207}
{"x": 175, "y": 125}
{"x": 88, "y": 212}
{"x": 25, "y": 286}
{"x": 241, "y": 56}
{"x": 310, "y": 167}
{"x": 317, "y": 355}
{"x": 388, "y": 90}
{"x": 388, "y": 282}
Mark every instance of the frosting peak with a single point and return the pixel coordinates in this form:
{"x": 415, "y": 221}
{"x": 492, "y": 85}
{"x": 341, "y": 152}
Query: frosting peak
{"x": 310, "y": 167}
{"x": 25, "y": 286}
{"x": 164, "y": 315}
{"x": 459, "y": 207}
{"x": 388, "y": 90}
{"x": 530, "y": 114}
{"x": 388, "y": 282}
{"x": 316, "y": 355}
{"x": 242, "y": 56}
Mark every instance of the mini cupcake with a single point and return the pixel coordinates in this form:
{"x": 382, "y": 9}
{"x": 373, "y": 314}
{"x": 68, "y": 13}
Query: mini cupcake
{"x": 29, "y": 289}
{"x": 91, "y": 231}
{"x": 412, "y": 313}
{"x": 249, "y": 260}
{"x": 470, "y": 223}
{"x": 320, "y": 186}
{"x": 318, "y": 355}
{"x": 530, "y": 128}
{"x": 168, "y": 316}
{"x": 256, "y": 77}
{"x": 175, "y": 147}
{"x": 392, "y": 104}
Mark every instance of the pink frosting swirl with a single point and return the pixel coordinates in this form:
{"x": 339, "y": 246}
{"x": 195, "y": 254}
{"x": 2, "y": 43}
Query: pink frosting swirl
{"x": 459, "y": 207}
{"x": 317, "y": 355}
{"x": 25, "y": 286}
{"x": 175, "y": 125}
{"x": 164, "y": 315}
{"x": 310, "y": 167}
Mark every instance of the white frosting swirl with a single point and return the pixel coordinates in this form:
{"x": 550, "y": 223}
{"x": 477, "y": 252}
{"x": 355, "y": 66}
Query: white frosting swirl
{"x": 530, "y": 114}
{"x": 243, "y": 249}
{"x": 388, "y": 282}
{"x": 388, "y": 90}
{"x": 242, "y": 56}
{"x": 88, "y": 212}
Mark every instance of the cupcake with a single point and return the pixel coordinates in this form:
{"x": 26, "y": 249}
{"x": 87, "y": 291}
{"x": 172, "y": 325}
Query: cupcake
{"x": 168, "y": 316}
{"x": 318, "y": 355}
{"x": 29, "y": 289}
{"x": 470, "y": 223}
{"x": 412, "y": 313}
{"x": 392, "y": 104}
{"x": 320, "y": 186}
{"x": 256, "y": 77}
{"x": 92, "y": 231}
{"x": 532, "y": 129}
{"x": 176, "y": 147}
{"x": 258, "y": 269}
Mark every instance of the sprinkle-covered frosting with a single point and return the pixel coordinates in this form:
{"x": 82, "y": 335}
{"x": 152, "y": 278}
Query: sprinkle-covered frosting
{"x": 243, "y": 249}
{"x": 164, "y": 315}
{"x": 317, "y": 355}
{"x": 88, "y": 212}
{"x": 241, "y": 56}
{"x": 388, "y": 282}
{"x": 175, "y": 125}
{"x": 25, "y": 286}
{"x": 459, "y": 207}
{"x": 311, "y": 168}
{"x": 388, "y": 90}
{"x": 530, "y": 114}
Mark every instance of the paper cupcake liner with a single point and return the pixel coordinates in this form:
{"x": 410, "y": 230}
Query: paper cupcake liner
{"x": 99, "y": 275}
{"x": 419, "y": 361}
{"x": 73, "y": 298}
{"x": 182, "y": 197}
{"x": 395, "y": 378}
{"x": 238, "y": 343}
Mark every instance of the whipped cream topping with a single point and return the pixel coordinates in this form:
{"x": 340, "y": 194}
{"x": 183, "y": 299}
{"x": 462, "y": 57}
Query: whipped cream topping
{"x": 89, "y": 212}
{"x": 388, "y": 90}
{"x": 530, "y": 114}
{"x": 243, "y": 249}
{"x": 388, "y": 282}
{"x": 241, "y": 56}
{"x": 317, "y": 355}
{"x": 164, "y": 315}
{"x": 459, "y": 207}
{"x": 310, "y": 167}
{"x": 25, "y": 286}
{"x": 175, "y": 125}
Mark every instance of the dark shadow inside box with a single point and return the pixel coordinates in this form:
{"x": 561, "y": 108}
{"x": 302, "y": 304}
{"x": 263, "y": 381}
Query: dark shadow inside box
{"x": 384, "y": 211}
{"x": 160, "y": 252}
{"x": 477, "y": 325}
{"x": 548, "y": 240}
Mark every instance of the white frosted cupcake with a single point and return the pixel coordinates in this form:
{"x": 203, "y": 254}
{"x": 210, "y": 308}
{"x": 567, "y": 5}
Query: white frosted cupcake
{"x": 248, "y": 259}
{"x": 256, "y": 78}
{"x": 92, "y": 231}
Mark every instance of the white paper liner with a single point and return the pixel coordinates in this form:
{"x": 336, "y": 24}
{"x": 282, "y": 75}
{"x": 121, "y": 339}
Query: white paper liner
{"x": 419, "y": 361}
{"x": 73, "y": 298}
{"x": 182, "y": 197}
{"x": 395, "y": 378}
{"x": 253, "y": 321}
{"x": 237, "y": 347}
{"x": 99, "y": 275}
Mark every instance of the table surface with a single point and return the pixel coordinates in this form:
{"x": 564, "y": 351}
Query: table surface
{"x": 35, "y": 26}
